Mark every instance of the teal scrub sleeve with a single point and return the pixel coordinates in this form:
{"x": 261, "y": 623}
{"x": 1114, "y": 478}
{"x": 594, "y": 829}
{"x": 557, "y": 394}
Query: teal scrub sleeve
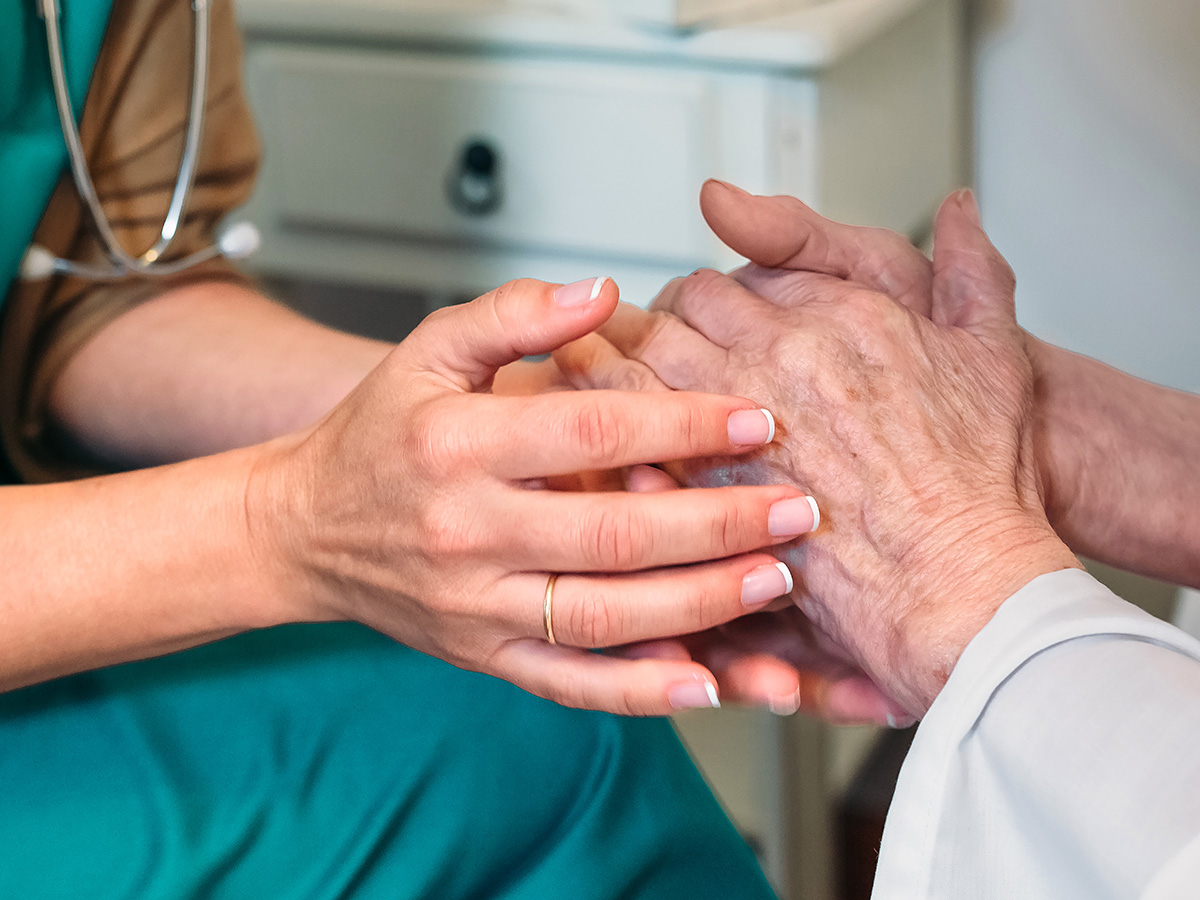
{"x": 326, "y": 761}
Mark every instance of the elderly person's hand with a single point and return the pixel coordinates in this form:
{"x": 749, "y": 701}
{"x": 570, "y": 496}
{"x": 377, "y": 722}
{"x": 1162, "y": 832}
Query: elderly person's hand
{"x": 420, "y": 506}
{"x": 775, "y": 658}
{"x": 1082, "y": 409}
{"x": 915, "y": 435}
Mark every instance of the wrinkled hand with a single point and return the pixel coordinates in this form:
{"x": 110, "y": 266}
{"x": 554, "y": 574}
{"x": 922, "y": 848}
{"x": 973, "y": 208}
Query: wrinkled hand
{"x": 779, "y": 234}
{"x": 774, "y": 659}
{"x": 421, "y": 507}
{"x": 915, "y": 435}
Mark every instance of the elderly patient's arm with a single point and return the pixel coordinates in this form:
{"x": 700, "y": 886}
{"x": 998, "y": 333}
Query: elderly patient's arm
{"x": 1116, "y": 456}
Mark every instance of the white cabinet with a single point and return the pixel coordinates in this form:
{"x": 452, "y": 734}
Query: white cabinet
{"x": 584, "y": 141}
{"x": 447, "y": 146}
{"x": 581, "y": 158}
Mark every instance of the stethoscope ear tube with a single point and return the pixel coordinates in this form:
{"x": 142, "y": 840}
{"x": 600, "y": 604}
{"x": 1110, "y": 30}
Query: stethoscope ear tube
{"x": 40, "y": 263}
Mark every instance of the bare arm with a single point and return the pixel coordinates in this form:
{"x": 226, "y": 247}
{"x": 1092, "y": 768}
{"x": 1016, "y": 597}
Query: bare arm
{"x": 203, "y": 368}
{"x": 1119, "y": 458}
{"x": 126, "y": 567}
{"x": 414, "y": 508}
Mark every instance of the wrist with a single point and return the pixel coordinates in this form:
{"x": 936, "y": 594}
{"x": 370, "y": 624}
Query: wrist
{"x": 960, "y": 591}
{"x": 1057, "y": 441}
{"x": 277, "y": 525}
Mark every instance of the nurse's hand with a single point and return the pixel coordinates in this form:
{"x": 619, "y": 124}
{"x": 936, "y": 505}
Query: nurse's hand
{"x": 774, "y": 658}
{"x": 420, "y": 507}
{"x": 915, "y": 436}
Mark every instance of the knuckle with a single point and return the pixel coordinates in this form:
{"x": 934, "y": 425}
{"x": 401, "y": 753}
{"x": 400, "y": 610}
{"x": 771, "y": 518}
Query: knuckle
{"x": 872, "y": 321}
{"x": 631, "y": 702}
{"x": 436, "y": 443}
{"x": 601, "y": 432}
{"x": 862, "y": 309}
{"x": 508, "y": 300}
{"x": 593, "y": 622}
{"x": 702, "y": 279}
{"x": 448, "y": 531}
{"x": 683, "y": 430}
{"x": 659, "y": 329}
{"x": 893, "y": 243}
{"x": 440, "y": 317}
{"x": 627, "y": 375}
{"x": 618, "y": 542}
{"x": 701, "y": 284}
{"x": 568, "y": 691}
{"x": 732, "y": 531}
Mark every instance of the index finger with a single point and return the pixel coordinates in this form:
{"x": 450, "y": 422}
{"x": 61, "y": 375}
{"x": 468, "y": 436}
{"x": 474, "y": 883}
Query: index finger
{"x": 557, "y": 434}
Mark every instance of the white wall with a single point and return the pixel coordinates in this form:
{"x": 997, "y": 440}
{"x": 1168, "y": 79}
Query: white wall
{"x": 1088, "y": 166}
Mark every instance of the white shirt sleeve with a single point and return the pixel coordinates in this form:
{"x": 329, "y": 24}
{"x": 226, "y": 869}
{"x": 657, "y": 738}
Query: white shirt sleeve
{"x": 1062, "y": 760}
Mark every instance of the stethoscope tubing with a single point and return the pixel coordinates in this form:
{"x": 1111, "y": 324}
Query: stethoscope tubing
{"x": 122, "y": 262}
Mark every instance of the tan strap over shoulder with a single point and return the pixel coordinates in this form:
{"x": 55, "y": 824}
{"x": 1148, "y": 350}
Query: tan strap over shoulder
{"x": 133, "y": 127}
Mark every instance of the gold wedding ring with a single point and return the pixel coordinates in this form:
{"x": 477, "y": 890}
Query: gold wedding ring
{"x": 548, "y": 609}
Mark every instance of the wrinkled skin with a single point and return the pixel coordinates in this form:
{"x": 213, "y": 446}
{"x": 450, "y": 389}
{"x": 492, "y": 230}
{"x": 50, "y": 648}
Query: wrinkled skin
{"x": 914, "y": 434}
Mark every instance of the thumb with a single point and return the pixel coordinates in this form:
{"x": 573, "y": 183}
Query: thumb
{"x": 784, "y": 233}
{"x": 468, "y": 343}
{"x": 973, "y": 285}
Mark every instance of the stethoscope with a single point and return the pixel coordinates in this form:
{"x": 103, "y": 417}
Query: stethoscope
{"x": 235, "y": 242}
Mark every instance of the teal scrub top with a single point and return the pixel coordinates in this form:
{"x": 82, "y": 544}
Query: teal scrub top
{"x": 32, "y": 152}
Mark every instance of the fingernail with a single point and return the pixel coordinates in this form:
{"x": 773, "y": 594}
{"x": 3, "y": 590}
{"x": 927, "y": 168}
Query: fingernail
{"x": 750, "y": 427}
{"x": 698, "y": 694}
{"x": 789, "y": 518}
{"x": 785, "y": 706}
{"x": 897, "y": 718}
{"x": 766, "y": 583}
{"x": 728, "y": 186}
{"x": 970, "y": 206}
{"x": 579, "y": 293}
{"x": 857, "y": 699}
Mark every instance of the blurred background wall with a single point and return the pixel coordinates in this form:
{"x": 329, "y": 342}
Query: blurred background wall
{"x": 1087, "y": 156}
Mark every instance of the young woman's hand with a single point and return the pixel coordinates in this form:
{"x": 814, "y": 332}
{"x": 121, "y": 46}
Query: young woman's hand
{"x": 422, "y": 507}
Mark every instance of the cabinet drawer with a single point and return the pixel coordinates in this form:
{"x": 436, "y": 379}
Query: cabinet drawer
{"x": 586, "y": 158}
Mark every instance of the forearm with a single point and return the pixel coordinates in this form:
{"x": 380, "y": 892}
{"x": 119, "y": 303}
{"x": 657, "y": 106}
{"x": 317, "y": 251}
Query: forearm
{"x": 1119, "y": 458}
{"x": 203, "y": 368}
{"x": 129, "y": 566}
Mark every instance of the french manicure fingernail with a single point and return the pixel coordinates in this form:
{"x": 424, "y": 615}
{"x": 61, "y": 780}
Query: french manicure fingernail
{"x": 579, "y": 293}
{"x": 766, "y": 583}
{"x": 698, "y": 694}
{"x": 785, "y": 706}
{"x": 749, "y": 427}
{"x": 789, "y": 518}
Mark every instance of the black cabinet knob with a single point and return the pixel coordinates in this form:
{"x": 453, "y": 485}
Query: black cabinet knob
{"x": 475, "y": 186}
